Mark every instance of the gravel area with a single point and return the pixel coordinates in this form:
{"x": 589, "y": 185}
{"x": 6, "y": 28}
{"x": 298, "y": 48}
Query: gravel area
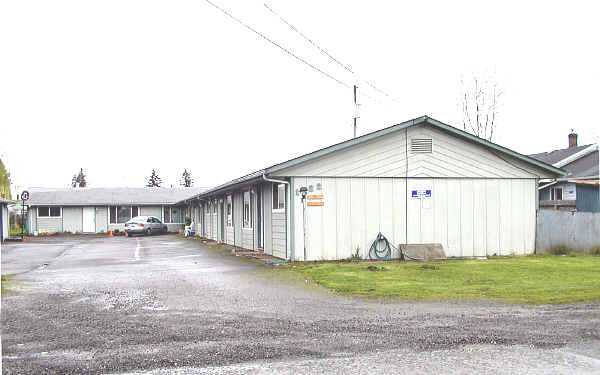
{"x": 165, "y": 305}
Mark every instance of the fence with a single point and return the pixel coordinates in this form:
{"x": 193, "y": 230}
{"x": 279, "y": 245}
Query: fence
{"x": 571, "y": 231}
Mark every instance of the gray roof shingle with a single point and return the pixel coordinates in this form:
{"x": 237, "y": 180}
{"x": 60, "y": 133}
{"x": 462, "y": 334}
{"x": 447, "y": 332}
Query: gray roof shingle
{"x": 555, "y": 156}
{"x": 110, "y": 196}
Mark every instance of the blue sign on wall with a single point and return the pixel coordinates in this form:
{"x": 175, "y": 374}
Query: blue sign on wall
{"x": 421, "y": 193}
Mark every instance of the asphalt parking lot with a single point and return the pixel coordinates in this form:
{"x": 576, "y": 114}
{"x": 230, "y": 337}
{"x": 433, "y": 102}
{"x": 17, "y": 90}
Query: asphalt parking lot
{"x": 166, "y": 305}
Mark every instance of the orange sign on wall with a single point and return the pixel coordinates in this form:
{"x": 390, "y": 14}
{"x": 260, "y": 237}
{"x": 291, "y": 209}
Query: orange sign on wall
{"x": 321, "y": 203}
{"x": 309, "y": 197}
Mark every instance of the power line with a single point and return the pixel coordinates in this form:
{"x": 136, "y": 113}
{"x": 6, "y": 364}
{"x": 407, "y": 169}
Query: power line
{"x": 327, "y": 53}
{"x": 277, "y": 45}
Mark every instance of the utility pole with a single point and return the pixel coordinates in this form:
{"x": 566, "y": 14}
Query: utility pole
{"x": 355, "y": 110}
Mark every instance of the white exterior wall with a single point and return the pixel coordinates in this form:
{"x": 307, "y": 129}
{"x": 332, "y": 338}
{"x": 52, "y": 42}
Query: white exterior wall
{"x": 386, "y": 156}
{"x": 101, "y": 219}
{"x": 468, "y": 217}
{"x": 72, "y": 219}
{"x": 5, "y": 218}
{"x": 49, "y": 224}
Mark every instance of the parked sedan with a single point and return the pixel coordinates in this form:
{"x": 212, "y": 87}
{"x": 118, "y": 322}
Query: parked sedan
{"x": 145, "y": 225}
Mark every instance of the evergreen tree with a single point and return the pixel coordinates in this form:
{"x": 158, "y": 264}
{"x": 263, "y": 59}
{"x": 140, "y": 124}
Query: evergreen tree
{"x": 186, "y": 179}
{"x": 154, "y": 180}
{"x": 78, "y": 180}
{"x": 81, "y": 179}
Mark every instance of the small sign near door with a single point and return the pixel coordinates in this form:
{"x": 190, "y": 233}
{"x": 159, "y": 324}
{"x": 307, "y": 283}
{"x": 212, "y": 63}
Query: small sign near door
{"x": 315, "y": 200}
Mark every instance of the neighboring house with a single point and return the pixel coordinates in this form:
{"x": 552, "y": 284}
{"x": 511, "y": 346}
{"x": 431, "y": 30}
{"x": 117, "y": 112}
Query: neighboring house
{"x": 97, "y": 210}
{"x": 418, "y": 182}
{"x": 579, "y": 190}
{"x": 4, "y": 218}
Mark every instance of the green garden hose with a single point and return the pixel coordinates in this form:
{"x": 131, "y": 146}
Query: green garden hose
{"x": 380, "y": 249}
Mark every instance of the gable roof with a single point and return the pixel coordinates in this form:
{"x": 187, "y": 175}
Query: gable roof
{"x": 584, "y": 167}
{"x": 407, "y": 124}
{"x": 367, "y": 137}
{"x": 555, "y": 156}
{"x": 109, "y": 196}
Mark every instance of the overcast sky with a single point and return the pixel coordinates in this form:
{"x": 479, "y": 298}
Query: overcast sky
{"x": 120, "y": 87}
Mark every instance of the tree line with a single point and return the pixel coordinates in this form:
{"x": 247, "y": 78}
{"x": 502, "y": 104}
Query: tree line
{"x": 186, "y": 180}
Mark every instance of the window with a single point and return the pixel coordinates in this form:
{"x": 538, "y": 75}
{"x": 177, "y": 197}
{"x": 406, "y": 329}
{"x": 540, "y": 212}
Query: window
{"x": 247, "y": 212}
{"x": 122, "y": 214}
{"x": 176, "y": 215}
{"x": 279, "y": 197}
{"x": 229, "y": 211}
{"x": 48, "y": 211}
{"x": 167, "y": 215}
{"x": 556, "y": 194}
{"x": 113, "y": 214}
{"x": 173, "y": 215}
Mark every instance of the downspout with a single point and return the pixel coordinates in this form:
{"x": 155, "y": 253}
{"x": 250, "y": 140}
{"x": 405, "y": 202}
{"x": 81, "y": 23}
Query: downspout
{"x": 265, "y": 178}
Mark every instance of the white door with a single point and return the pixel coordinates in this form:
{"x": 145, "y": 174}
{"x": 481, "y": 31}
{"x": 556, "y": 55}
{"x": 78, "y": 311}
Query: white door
{"x": 89, "y": 219}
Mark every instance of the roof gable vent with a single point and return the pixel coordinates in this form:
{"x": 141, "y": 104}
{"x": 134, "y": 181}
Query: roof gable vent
{"x": 421, "y": 146}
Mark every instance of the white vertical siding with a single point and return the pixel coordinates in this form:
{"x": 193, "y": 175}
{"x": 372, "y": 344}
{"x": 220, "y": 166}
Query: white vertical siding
{"x": 101, "y": 219}
{"x": 72, "y": 219}
{"x": 32, "y": 218}
{"x": 238, "y": 211}
{"x": 267, "y": 191}
{"x": 4, "y": 220}
{"x": 468, "y": 217}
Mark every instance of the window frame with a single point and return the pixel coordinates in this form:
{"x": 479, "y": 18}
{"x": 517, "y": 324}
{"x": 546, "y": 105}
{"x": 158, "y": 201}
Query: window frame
{"x": 49, "y": 212}
{"x": 275, "y": 193}
{"x": 170, "y": 208}
{"x": 116, "y": 222}
{"x": 247, "y": 224}
{"x": 229, "y": 211}
{"x": 553, "y": 193}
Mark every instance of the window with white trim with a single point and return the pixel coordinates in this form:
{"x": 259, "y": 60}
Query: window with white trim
{"x": 247, "y": 223}
{"x": 172, "y": 215}
{"x": 122, "y": 214}
{"x": 51, "y": 211}
{"x": 229, "y": 211}
{"x": 556, "y": 194}
{"x": 279, "y": 197}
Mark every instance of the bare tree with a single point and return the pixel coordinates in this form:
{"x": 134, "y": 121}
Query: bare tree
{"x": 480, "y": 102}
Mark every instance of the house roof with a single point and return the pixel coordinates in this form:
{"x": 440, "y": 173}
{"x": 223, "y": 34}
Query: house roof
{"x": 367, "y": 137}
{"x": 579, "y": 162}
{"x": 555, "y": 156}
{"x": 585, "y": 167}
{"x": 109, "y": 196}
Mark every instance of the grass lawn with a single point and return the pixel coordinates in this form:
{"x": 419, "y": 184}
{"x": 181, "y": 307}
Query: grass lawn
{"x": 533, "y": 279}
